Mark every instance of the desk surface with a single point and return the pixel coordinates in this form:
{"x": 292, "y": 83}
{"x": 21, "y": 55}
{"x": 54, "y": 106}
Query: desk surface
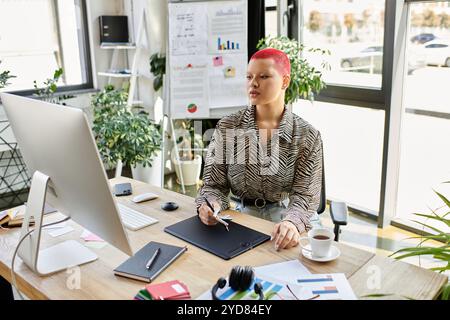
{"x": 198, "y": 269}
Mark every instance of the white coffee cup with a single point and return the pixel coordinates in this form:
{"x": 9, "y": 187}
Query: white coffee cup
{"x": 320, "y": 240}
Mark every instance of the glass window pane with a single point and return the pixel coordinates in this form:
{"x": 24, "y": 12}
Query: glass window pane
{"x": 47, "y": 41}
{"x": 425, "y": 144}
{"x": 353, "y": 31}
{"x": 353, "y": 148}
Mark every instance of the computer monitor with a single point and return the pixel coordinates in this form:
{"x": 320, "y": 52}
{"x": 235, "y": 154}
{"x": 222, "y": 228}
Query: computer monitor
{"x": 60, "y": 152}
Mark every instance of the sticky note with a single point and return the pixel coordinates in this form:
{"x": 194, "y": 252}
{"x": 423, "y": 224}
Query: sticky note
{"x": 60, "y": 232}
{"x": 218, "y": 61}
{"x": 230, "y": 72}
{"x": 87, "y": 236}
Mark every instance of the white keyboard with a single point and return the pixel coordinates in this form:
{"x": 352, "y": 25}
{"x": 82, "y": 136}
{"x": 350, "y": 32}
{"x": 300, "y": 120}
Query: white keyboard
{"x": 134, "y": 220}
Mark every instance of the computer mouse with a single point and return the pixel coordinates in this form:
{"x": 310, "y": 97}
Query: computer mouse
{"x": 144, "y": 197}
{"x": 169, "y": 206}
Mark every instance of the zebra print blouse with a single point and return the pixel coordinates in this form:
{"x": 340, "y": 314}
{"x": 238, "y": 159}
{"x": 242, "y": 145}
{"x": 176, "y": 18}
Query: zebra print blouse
{"x": 289, "y": 166}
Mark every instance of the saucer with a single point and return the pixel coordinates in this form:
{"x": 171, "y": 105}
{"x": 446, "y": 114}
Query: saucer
{"x": 334, "y": 254}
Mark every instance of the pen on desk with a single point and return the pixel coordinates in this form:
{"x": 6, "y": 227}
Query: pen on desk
{"x": 153, "y": 259}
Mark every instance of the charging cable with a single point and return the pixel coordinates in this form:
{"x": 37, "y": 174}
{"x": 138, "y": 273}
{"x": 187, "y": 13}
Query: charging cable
{"x": 13, "y": 274}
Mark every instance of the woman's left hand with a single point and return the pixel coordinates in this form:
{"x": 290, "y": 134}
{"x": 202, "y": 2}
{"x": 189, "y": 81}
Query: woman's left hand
{"x": 285, "y": 235}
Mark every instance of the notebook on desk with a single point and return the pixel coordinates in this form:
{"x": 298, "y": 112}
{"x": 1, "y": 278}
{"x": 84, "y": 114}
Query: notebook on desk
{"x": 216, "y": 239}
{"x": 135, "y": 267}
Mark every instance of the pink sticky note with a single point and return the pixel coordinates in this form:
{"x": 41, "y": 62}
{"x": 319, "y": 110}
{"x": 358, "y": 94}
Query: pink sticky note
{"x": 218, "y": 61}
{"x": 87, "y": 236}
{"x": 93, "y": 237}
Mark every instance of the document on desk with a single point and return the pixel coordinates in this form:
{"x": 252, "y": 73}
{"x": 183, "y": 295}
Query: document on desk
{"x": 333, "y": 286}
{"x": 61, "y": 231}
{"x": 328, "y": 286}
{"x": 273, "y": 289}
{"x": 288, "y": 271}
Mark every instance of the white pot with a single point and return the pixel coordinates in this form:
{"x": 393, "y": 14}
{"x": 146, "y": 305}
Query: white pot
{"x": 150, "y": 175}
{"x": 191, "y": 169}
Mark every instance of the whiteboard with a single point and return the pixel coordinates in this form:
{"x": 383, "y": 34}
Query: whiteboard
{"x": 207, "y": 58}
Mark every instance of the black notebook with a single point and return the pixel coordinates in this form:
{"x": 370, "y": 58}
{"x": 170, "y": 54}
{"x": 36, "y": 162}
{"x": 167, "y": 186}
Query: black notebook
{"x": 216, "y": 239}
{"x": 135, "y": 266}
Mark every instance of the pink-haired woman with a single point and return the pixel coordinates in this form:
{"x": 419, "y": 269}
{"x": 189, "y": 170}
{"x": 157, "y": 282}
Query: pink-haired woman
{"x": 264, "y": 158}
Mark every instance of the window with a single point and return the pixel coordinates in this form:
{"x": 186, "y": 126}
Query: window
{"x": 352, "y": 112}
{"x": 353, "y": 31}
{"x": 49, "y": 34}
{"x": 353, "y": 151}
{"x": 425, "y": 147}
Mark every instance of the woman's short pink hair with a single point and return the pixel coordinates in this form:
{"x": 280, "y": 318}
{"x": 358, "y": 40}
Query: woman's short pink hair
{"x": 282, "y": 63}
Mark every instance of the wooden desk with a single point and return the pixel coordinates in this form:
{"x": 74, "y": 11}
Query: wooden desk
{"x": 197, "y": 268}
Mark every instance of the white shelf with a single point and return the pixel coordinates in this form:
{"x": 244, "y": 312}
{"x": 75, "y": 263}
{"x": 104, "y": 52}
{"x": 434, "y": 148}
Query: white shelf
{"x": 115, "y": 75}
{"x": 118, "y": 47}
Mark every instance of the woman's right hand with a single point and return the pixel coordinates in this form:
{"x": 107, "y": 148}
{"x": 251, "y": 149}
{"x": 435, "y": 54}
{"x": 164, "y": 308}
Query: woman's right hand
{"x": 207, "y": 215}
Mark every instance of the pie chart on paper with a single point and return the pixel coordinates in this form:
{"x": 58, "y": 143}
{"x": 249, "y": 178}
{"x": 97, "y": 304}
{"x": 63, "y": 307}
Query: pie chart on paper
{"x": 192, "y": 108}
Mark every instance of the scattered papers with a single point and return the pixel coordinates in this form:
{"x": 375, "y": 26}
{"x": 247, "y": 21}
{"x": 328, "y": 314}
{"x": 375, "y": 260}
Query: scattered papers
{"x": 288, "y": 271}
{"x": 329, "y": 286}
{"x": 56, "y": 226}
{"x": 60, "y": 231}
{"x": 291, "y": 280}
{"x": 273, "y": 289}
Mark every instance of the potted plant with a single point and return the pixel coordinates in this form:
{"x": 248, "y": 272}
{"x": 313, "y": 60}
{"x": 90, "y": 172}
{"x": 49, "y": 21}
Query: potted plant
{"x": 306, "y": 80}
{"x": 140, "y": 145}
{"x": 441, "y": 253}
{"x": 106, "y": 104}
{"x": 189, "y": 162}
{"x": 126, "y": 136}
{"x": 48, "y": 91}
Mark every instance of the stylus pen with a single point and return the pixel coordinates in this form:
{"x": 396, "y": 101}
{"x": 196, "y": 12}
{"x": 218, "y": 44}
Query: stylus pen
{"x": 153, "y": 259}
{"x": 216, "y": 215}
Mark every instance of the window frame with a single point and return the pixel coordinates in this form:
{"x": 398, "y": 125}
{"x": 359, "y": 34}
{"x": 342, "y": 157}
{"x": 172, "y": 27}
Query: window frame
{"x": 86, "y": 60}
{"x": 378, "y": 99}
{"x": 353, "y": 95}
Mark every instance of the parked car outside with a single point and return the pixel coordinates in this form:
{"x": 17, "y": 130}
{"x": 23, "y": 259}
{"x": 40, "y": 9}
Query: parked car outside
{"x": 423, "y": 38}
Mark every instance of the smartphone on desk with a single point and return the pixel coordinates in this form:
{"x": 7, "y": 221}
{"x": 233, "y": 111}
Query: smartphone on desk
{"x": 122, "y": 189}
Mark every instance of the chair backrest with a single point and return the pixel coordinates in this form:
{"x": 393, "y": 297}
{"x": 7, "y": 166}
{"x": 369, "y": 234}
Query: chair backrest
{"x": 323, "y": 197}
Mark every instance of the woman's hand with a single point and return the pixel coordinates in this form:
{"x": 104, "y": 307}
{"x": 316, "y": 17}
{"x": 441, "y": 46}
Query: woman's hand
{"x": 285, "y": 235}
{"x": 207, "y": 215}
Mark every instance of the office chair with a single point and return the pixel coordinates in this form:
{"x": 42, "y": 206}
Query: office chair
{"x": 338, "y": 210}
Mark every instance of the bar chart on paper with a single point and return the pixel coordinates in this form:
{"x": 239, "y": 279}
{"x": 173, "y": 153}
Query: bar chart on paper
{"x": 327, "y": 286}
{"x": 227, "y": 45}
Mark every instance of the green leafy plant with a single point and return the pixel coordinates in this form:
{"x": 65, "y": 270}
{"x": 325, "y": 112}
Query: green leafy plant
{"x": 106, "y": 105}
{"x": 441, "y": 253}
{"x": 158, "y": 68}
{"x": 4, "y": 77}
{"x": 306, "y": 80}
{"x": 48, "y": 91}
{"x": 109, "y": 99}
{"x": 122, "y": 134}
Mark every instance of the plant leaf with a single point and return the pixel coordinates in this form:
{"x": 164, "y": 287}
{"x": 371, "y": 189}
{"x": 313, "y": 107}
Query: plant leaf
{"x": 446, "y": 201}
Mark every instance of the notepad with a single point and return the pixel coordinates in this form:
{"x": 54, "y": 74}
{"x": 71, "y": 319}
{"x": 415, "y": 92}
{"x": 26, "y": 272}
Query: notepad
{"x": 172, "y": 290}
{"x": 135, "y": 267}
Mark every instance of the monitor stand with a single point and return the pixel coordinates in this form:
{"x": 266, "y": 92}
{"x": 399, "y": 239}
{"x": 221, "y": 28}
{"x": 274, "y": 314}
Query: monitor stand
{"x": 61, "y": 256}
